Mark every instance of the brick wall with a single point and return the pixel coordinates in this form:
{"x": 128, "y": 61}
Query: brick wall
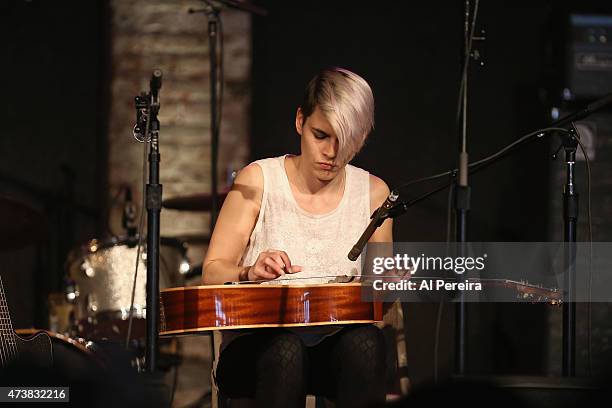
{"x": 162, "y": 34}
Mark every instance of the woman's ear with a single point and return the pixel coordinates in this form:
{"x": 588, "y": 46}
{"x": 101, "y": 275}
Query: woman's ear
{"x": 299, "y": 121}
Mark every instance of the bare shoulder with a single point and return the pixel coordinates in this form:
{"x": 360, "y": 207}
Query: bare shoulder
{"x": 249, "y": 183}
{"x": 378, "y": 191}
{"x": 251, "y": 176}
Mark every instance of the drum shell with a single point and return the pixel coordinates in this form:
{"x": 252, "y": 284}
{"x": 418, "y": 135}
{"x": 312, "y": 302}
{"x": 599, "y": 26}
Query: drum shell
{"x": 104, "y": 273}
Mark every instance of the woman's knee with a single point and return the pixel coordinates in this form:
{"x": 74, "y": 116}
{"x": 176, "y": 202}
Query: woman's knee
{"x": 284, "y": 352}
{"x": 363, "y": 347}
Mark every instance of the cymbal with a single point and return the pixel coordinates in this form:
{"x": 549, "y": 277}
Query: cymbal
{"x": 194, "y": 202}
{"x": 20, "y": 224}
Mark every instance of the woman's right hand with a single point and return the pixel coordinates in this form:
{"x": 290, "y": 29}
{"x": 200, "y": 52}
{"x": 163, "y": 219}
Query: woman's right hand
{"x": 270, "y": 265}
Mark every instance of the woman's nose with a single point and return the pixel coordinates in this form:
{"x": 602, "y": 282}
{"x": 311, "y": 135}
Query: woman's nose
{"x": 331, "y": 149}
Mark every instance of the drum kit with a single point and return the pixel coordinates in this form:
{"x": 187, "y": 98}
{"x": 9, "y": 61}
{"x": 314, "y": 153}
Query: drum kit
{"x": 101, "y": 278}
{"x": 99, "y": 283}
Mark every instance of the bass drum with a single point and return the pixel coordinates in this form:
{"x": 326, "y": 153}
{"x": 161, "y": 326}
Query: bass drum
{"x": 101, "y": 279}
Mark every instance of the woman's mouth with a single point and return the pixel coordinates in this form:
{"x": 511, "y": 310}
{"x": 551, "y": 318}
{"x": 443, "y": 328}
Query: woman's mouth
{"x": 326, "y": 166}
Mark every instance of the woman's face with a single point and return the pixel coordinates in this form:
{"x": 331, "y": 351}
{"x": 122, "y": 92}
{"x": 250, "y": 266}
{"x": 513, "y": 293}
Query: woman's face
{"x": 319, "y": 145}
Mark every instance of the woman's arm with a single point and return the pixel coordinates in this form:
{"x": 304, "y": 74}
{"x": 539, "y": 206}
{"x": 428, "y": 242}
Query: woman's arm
{"x": 229, "y": 240}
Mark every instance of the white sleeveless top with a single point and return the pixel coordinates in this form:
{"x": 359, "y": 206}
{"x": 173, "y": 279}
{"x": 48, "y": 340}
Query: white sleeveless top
{"x": 319, "y": 243}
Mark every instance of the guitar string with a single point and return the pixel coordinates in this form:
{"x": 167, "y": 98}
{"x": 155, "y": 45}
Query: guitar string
{"x": 8, "y": 331}
{"x": 3, "y": 349}
{"x": 6, "y": 338}
{"x": 545, "y": 294}
{"x": 351, "y": 278}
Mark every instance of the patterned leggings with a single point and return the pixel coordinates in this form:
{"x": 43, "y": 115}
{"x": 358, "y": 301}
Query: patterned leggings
{"x": 278, "y": 370}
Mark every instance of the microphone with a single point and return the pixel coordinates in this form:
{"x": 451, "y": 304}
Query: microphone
{"x": 156, "y": 83}
{"x": 377, "y": 217}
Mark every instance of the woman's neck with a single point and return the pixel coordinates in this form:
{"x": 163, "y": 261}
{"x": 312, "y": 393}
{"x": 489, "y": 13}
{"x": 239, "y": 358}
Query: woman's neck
{"x": 307, "y": 183}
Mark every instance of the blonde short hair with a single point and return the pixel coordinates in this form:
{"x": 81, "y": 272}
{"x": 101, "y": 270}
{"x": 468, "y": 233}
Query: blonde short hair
{"x": 346, "y": 101}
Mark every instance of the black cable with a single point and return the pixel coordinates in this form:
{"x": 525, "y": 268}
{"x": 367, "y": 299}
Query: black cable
{"x": 482, "y": 163}
{"x": 539, "y": 133}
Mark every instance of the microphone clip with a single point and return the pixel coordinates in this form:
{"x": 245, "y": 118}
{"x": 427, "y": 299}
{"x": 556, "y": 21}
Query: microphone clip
{"x": 147, "y": 107}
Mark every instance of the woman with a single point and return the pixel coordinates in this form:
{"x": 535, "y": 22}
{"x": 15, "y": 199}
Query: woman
{"x": 295, "y": 217}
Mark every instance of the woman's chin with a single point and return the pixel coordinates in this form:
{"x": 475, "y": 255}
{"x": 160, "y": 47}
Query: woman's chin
{"x": 326, "y": 175}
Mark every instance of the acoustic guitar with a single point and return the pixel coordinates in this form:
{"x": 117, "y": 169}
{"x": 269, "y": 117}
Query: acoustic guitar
{"x": 15, "y": 350}
{"x": 195, "y": 309}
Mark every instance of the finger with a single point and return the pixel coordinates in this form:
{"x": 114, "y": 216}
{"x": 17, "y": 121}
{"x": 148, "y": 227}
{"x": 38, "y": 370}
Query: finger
{"x": 273, "y": 265}
{"x": 262, "y": 274}
{"x": 283, "y": 255}
{"x": 279, "y": 261}
{"x": 295, "y": 269}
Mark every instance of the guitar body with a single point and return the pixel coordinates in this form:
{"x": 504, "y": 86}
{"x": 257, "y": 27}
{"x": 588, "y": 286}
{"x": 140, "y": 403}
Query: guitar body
{"x": 32, "y": 351}
{"x": 196, "y": 309}
{"x": 16, "y": 351}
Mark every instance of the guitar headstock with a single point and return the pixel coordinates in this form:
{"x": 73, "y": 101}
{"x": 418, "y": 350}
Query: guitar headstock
{"x": 534, "y": 292}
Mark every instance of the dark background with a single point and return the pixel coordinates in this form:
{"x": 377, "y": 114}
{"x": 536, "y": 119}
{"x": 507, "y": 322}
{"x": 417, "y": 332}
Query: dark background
{"x": 411, "y": 53}
{"x": 53, "y": 144}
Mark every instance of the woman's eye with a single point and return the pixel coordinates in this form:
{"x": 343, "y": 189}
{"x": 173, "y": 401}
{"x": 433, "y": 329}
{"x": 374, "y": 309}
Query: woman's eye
{"x": 320, "y": 136}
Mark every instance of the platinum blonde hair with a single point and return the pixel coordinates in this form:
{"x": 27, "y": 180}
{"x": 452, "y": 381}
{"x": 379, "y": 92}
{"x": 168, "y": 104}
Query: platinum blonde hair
{"x": 346, "y": 101}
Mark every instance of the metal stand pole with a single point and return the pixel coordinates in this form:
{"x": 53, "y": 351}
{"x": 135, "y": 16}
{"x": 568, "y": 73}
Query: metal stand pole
{"x": 462, "y": 203}
{"x": 570, "y": 218}
{"x": 153, "y": 204}
{"x": 214, "y": 120}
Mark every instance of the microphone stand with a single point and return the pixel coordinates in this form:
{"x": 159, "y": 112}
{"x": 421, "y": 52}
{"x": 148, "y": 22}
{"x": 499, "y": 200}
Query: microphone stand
{"x": 461, "y": 199}
{"x": 147, "y": 131}
{"x": 570, "y": 219}
{"x": 392, "y": 208}
{"x": 212, "y": 13}
{"x": 213, "y": 19}
{"x": 153, "y": 202}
